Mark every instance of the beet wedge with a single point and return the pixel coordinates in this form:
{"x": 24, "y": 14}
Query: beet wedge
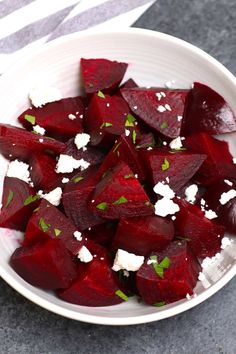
{"x": 207, "y": 111}
{"x": 60, "y": 119}
{"x": 159, "y": 108}
{"x": 96, "y": 285}
{"x": 101, "y": 74}
{"x": 178, "y": 166}
{"x": 105, "y": 118}
{"x": 90, "y": 154}
{"x": 219, "y": 161}
{"x": 203, "y": 235}
{"x": 47, "y": 265}
{"x": 21, "y": 144}
{"x": 102, "y": 234}
{"x": 119, "y": 194}
{"x": 169, "y": 275}
{"x": 18, "y": 202}
{"x": 46, "y": 223}
{"x": 143, "y": 235}
{"x": 76, "y": 199}
{"x": 123, "y": 150}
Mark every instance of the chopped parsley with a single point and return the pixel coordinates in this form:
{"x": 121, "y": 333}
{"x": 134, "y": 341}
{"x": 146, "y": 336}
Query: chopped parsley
{"x": 121, "y": 295}
{"x": 128, "y": 176}
{"x": 160, "y": 304}
{"x": 77, "y": 179}
{"x": 31, "y": 199}
{"x": 30, "y": 119}
{"x": 159, "y": 267}
{"x": 121, "y": 200}
{"x": 9, "y": 198}
{"x": 116, "y": 147}
{"x": 130, "y": 120}
{"x": 44, "y": 226}
{"x": 164, "y": 125}
{"x": 165, "y": 165}
{"x": 101, "y": 94}
{"x": 106, "y": 124}
{"x": 176, "y": 150}
{"x": 184, "y": 238}
{"x": 102, "y": 206}
{"x": 57, "y": 232}
{"x": 134, "y": 136}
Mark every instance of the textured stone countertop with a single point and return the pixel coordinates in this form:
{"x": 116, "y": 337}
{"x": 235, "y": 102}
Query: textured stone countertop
{"x": 207, "y": 329}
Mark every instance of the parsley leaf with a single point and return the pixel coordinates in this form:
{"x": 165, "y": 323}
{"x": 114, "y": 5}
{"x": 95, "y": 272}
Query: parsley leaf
{"x": 77, "y": 179}
{"x": 101, "y": 94}
{"x": 102, "y": 206}
{"x": 134, "y": 136}
{"x": 106, "y": 124}
{"x": 165, "y": 263}
{"x": 164, "y": 125}
{"x": 130, "y": 120}
{"x": 121, "y": 295}
{"x": 159, "y": 267}
{"x": 57, "y": 232}
{"x": 160, "y": 304}
{"x": 31, "y": 199}
{"x": 165, "y": 165}
{"x": 116, "y": 147}
{"x": 128, "y": 176}
{"x": 9, "y": 198}
{"x": 176, "y": 150}
{"x": 121, "y": 200}
{"x": 184, "y": 238}
{"x": 45, "y": 227}
{"x": 30, "y": 119}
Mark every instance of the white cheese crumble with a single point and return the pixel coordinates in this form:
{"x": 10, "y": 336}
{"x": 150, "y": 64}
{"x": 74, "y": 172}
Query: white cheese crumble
{"x": 78, "y": 235}
{"x": 108, "y": 104}
{"x": 167, "y": 106}
{"x": 149, "y": 148}
{"x": 188, "y": 297}
{"x": 164, "y": 143}
{"x": 41, "y": 95}
{"x": 161, "y": 109}
{"x": 202, "y": 202}
{"x": 227, "y": 196}
{"x": 191, "y": 193}
{"x": 228, "y": 182}
{"x": 179, "y": 118}
{"x": 165, "y": 206}
{"x": 127, "y": 261}
{"x": 164, "y": 190}
{"x": 19, "y": 170}
{"x": 234, "y": 160}
{"x": 173, "y": 217}
{"x": 126, "y": 273}
{"x": 159, "y": 96}
{"x": 210, "y": 214}
{"x": 201, "y": 277}
{"x": 65, "y": 180}
{"x": 67, "y": 163}
{"x": 225, "y": 242}
{"x": 84, "y": 255}
{"x": 209, "y": 261}
{"x": 53, "y": 197}
{"x": 151, "y": 261}
{"x": 41, "y": 140}
{"x": 39, "y": 130}
{"x": 135, "y": 107}
{"x": 71, "y": 116}
{"x": 176, "y": 143}
{"x": 127, "y": 132}
{"x": 81, "y": 140}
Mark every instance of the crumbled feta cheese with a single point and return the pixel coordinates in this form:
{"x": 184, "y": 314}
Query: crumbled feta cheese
{"x": 53, "y": 197}
{"x": 127, "y": 132}
{"x": 41, "y": 95}
{"x": 227, "y": 196}
{"x": 41, "y": 140}
{"x": 188, "y": 297}
{"x": 81, "y": 140}
{"x": 65, "y": 180}
{"x": 228, "y": 182}
{"x": 84, "y": 255}
{"x": 164, "y": 143}
{"x": 40, "y": 193}
{"x": 78, "y": 235}
{"x": 39, "y": 130}
{"x": 71, "y": 116}
{"x": 136, "y": 175}
{"x": 167, "y": 106}
{"x": 234, "y": 160}
{"x": 163, "y": 94}
{"x": 19, "y": 170}
{"x": 127, "y": 261}
{"x": 81, "y": 116}
{"x": 165, "y": 206}
{"x": 210, "y": 214}
{"x": 176, "y": 143}
{"x": 126, "y": 273}
{"x": 225, "y": 242}
{"x": 159, "y": 96}
{"x": 202, "y": 202}
{"x": 108, "y": 104}
{"x": 191, "y": 193}
{"x": 167, "y": 180}
{"x": 201, "y": 277}
{"x": 67, "y": 163}
{"x": 151, "y": 261}
{"x": 161, "y": 109}
{"x": 179, "y": 118}
{"x": 149, "y": 148}
{"x": 135, "y": 107}
{"x": 173, "y": 217}
{"x": 164, "y": 190}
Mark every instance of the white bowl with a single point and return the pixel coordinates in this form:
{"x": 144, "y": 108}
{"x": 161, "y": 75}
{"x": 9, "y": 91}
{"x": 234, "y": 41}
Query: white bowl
{"x": 154, "y": 58}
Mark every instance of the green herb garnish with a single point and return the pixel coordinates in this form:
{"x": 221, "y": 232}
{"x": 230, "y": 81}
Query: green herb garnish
{"x": 134, "y": 136}
{"x": 101, "y": 94}
{"x": 160, "y": 304}
{"x": 184, "y": 238}
{"x": 128, "y": 176}
{"x": 35, "y": 210}
{"x": 106, "y": 124}
{"x": 121, "y": 295}
{"x": 30, "y": 119}
{"x": 176, "y": 150}
{"x": 165, "y": 165}
{"x": 77, "y": 179}
{"x": 116, "y": 147}
{"x": 31, "y": 199}
{"x": 159, "y": 267}
{"x": 9, "y": 198}
{"x": 57, "y": 232}
{"x": 102, "y": 206}
{"x": 130, "y": 120}
{"x": 45, "y": 227}
{"x": 163, "y": 125}
{"x": 121, "y": 200}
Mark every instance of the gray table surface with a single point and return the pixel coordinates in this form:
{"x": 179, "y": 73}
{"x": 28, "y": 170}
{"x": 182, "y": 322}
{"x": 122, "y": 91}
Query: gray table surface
{"x": 207, "y": 329}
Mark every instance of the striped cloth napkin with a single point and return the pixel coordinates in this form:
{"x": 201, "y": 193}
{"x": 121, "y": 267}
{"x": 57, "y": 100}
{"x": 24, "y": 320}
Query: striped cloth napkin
{"x": 30, "y": 23}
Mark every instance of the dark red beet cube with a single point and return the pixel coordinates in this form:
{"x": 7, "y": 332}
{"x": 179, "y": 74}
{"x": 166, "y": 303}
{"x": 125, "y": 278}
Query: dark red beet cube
{"x": 76, "y": 199}
{"x": 101, "y": 74}
{"x": 143, "y": 235}
{"x": 178, "y": 166}
{"x": 54, "y": 117}
{"x": 21, "y": 144}
{"x": 203, "y": 235}
{"x": 18, "y": 202}
{"x": 173, "y": 282}
{"x": 207, "y": 111}
{"x": 219, "y": 161}
{"x": 46, "y": 223}
{"x": 159, "y": 108}
{"x": 47, "y": 265}
{"x": 101, "y": 234}
{"x": 105, "y": 119}
{"x": 119, "y": 194}
{"x": 96, "y": 285}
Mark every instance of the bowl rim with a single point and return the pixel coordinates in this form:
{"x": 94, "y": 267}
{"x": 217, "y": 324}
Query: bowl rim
{"x": 12, "y": 280}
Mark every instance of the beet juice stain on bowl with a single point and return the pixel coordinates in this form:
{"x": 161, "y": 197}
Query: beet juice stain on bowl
{"x": 113, "y": 190}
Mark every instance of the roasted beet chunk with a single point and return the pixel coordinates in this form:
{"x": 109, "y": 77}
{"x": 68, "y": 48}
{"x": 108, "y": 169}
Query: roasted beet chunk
{"x": 18, "y": 203}
{"x": 21, "y": 144}
{"x": 47, "y": 265}
{"x": 160, "y": 109}
{"x": 105, "y": 118}
{"x": 76, "y": 199}
{"x": 119, "y": 194}
{"x": 203, "y": 235}
{"x": 143, "y": 235}
{"x": 60, "y": 119}
{"x": 90, "y": 154}
{"x": 219, "y": 162}
{"x": 207, "y": 111}
{"x": 46, "y": 223}
{"x": 169, "y": 275}
{"x": 101, "y": 74}
{"x": 96, "y": 285}
{"x": 177, "y": 166}
{"x": 102, "y": 234}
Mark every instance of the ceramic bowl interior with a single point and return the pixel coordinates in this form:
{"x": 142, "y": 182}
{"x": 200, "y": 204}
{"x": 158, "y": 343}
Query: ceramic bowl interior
{"x": 154, "y": 58}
